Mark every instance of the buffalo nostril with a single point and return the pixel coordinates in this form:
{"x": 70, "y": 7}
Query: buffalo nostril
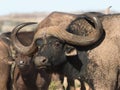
{"x": 44, "y": 60}
{"x": 40, "y": 60}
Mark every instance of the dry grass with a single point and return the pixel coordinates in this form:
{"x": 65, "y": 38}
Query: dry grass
{"x": 55, "y": 85}
{"x": 8, "y": 22}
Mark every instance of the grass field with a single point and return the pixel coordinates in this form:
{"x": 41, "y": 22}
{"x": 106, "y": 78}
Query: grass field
{"x": 8, "y": 22}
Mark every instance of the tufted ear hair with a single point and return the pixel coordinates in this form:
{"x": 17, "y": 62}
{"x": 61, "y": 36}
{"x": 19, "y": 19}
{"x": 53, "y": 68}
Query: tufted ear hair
{"x": 70, "y": 50}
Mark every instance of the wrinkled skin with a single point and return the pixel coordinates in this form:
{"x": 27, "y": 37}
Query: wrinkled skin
{"x": 27, "y": 77}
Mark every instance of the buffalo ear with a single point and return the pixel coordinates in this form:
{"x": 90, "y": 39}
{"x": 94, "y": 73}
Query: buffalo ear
{"x": 70, "y": 50}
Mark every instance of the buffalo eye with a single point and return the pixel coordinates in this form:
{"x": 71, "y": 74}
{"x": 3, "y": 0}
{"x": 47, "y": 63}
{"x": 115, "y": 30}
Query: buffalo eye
{"x": 57, "y": 44}
{"x": 39, "y": 42}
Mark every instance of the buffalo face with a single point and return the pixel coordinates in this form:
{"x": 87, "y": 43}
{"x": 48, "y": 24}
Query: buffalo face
{"x": 23, "y": 62}
{"x": 51, "y": 52}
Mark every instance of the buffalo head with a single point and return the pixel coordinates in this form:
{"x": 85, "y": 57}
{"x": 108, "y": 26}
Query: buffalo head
{"x": 52, "y": 42}
{"x": 24, "y": 63}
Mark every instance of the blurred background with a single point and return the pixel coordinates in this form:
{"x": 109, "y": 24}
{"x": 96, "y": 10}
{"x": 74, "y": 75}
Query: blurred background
{"x": 13, "y": 12}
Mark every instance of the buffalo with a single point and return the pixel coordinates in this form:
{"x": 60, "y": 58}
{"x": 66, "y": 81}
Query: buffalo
{"x": 77, "y": 46}
{"x": 7, "y": 54}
